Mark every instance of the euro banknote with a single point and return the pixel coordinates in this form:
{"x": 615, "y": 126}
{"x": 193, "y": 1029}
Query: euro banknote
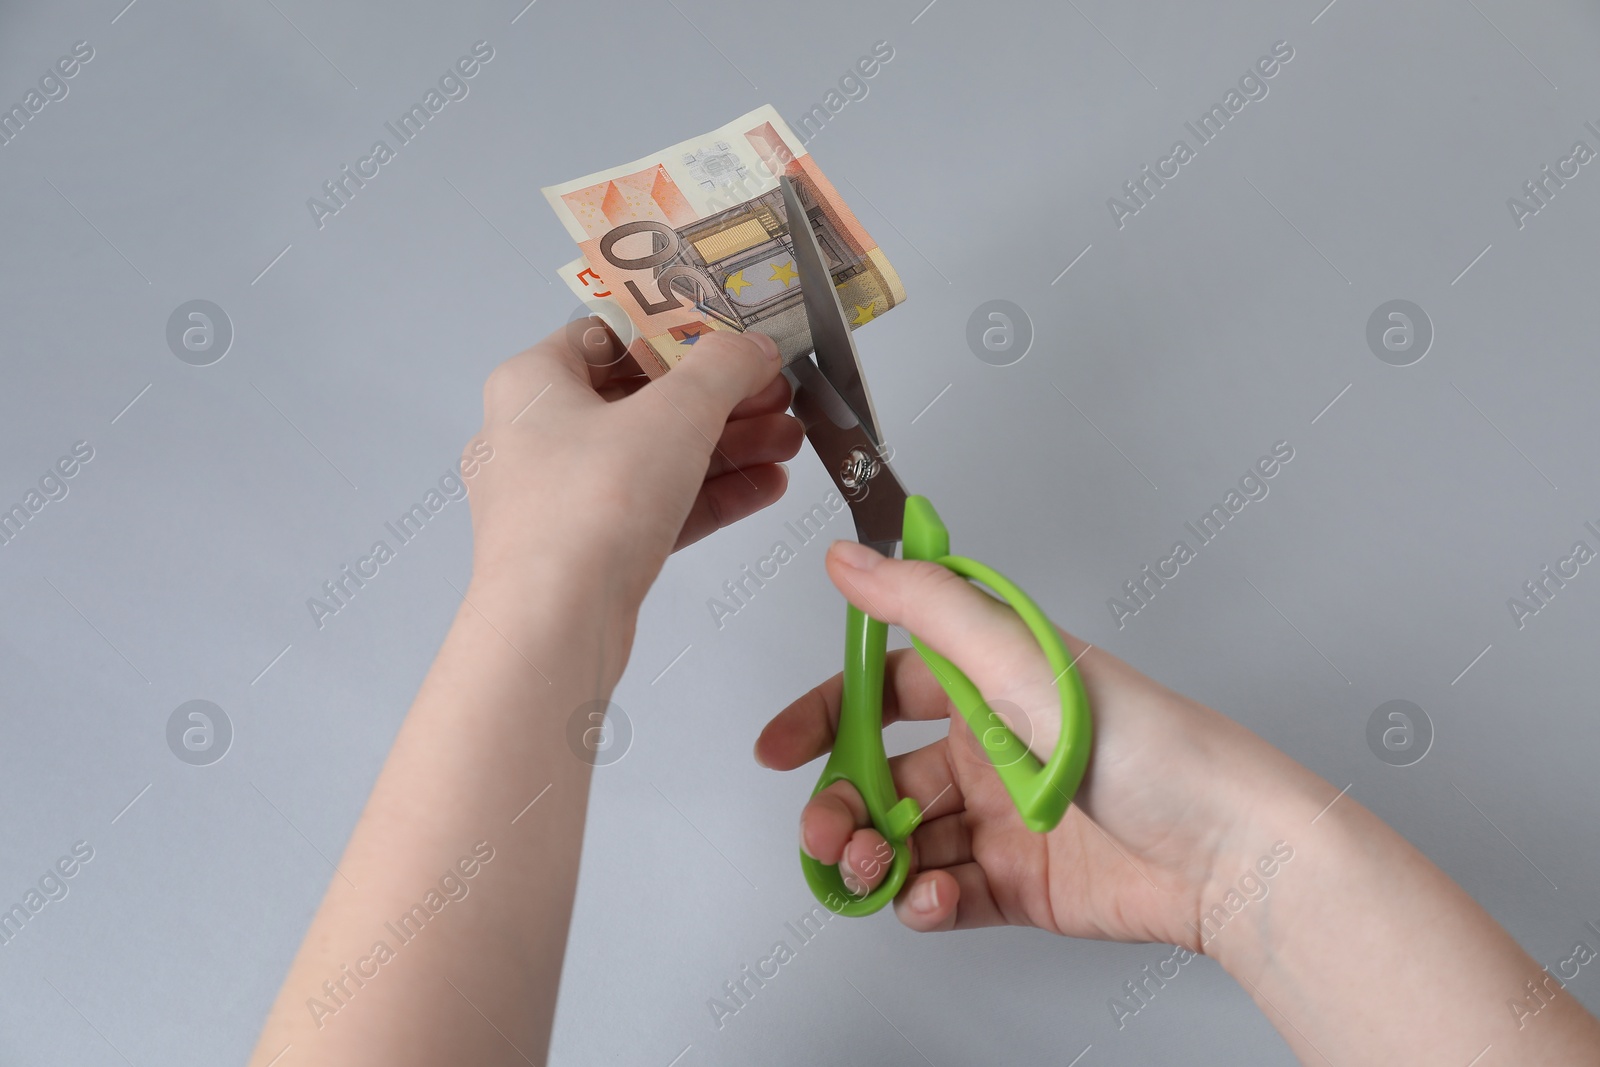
{"x": 695, "y": 238}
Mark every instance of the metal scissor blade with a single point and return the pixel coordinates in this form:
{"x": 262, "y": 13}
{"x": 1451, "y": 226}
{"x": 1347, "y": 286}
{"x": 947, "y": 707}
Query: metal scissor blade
{"x": 830, "y": 333}
{"x": 853, "y": 459}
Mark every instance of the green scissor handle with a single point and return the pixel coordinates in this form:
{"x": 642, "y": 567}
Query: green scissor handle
{"x": 1041, "y": 792}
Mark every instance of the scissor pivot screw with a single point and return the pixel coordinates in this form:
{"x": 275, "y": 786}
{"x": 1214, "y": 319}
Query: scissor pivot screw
{"x": 859, "y": 468}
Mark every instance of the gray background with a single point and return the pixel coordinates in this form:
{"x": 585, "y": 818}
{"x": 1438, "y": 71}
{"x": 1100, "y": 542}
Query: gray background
{"x": 1224, "y": 317}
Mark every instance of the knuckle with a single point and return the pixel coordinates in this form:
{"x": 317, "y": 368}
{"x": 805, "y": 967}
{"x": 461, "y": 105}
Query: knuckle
{"x": 508, "y": 378}
{"x": 925, "y": 580}
{"x": 716, "y": 508}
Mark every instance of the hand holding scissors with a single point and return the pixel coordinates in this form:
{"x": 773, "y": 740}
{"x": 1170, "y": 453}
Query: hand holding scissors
{"x": 831, "y": 400}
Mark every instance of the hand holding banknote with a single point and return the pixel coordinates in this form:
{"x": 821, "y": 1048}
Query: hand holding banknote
{"x": 586, "y": 475}
{"x": 591, "y": 459}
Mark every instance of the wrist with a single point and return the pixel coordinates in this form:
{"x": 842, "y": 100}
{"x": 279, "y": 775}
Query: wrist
{"x": 554, "y": 615}
{"x": 1264, "y": 881}
{"x": 1358, "y": 913}
{"x": 1273, "y": 812}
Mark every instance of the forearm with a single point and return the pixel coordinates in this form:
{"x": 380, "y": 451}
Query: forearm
{"x": 1364, "y": 952}
{"x": 481, "y": 766}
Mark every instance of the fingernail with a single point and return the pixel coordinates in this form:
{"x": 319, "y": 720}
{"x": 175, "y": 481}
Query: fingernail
{"x": 756, "y": 752}
{"x": 925, "y": 896}
{"x": 803, "y": 848}
{"x": 855, "y": 555}
{"x": 767, "y": 345}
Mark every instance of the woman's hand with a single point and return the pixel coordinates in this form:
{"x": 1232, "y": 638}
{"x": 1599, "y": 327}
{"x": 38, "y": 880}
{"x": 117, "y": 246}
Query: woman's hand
{"x": 1161, "y": 824}
{"x": 1187, "y": 829}
{"x": 597, "y": 475}
{"x": 583, "y": 479}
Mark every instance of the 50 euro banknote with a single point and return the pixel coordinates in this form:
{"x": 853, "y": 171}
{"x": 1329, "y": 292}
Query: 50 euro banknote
{"x": 695, "y": 238}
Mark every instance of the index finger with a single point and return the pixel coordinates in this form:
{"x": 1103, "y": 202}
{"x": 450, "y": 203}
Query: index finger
{"x": 805, "y": 729}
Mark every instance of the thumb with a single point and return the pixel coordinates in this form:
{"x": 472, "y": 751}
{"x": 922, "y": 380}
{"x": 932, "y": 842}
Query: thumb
{"x": 721, "y": 369}
{"x": 981, "y": 635}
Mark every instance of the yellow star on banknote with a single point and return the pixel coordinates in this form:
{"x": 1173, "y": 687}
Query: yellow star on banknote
{"x": 736, "y": 283}
{"x": 785, "y": 273}
{"x": 864, "y": 314}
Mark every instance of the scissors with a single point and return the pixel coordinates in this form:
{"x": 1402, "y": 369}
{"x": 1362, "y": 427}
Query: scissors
{"x": 831, "y": 400}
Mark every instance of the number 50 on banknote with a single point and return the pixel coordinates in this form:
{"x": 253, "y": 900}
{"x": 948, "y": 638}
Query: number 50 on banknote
{"x": 695, "y": 238}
